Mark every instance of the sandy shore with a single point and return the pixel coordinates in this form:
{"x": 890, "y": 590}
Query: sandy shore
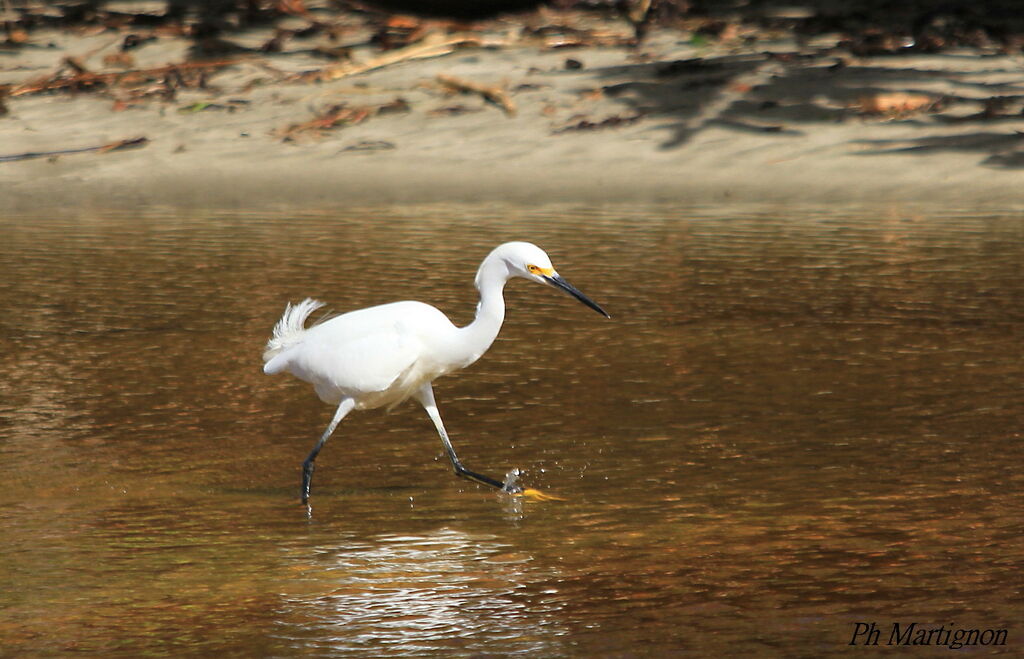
{"x": 669, "y": 121}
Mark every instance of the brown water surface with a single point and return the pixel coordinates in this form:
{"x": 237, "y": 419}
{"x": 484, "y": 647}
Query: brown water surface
{"x": 791, "y": 424}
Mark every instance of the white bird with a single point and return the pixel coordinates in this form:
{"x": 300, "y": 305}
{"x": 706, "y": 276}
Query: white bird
{"x": 385, "y": 354}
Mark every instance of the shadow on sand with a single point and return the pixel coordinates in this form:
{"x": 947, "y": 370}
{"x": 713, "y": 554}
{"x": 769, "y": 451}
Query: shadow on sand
{"x": 783, "y": 94}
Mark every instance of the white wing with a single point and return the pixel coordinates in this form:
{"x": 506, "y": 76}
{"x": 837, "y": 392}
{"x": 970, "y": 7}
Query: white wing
{"x": 362, "y": 352}
{"x": 358, "y": 364}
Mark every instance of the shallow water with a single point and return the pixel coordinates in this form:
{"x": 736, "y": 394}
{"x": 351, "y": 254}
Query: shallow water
{"x": 791, "y": 424}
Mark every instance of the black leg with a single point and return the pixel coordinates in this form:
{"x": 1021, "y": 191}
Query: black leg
{"x": 307, "y": 471}
{"x": 346, "y": 406}
{"x": 426, "y": 397}
{"x": 479, "y": 478}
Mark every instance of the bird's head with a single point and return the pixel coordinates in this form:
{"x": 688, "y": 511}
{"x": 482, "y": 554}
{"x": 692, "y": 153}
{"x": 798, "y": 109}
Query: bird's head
{"x": 528, "y": 261}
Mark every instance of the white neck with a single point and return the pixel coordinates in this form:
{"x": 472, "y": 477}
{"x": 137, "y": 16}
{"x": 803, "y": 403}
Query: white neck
{"x": 477, "y": 337}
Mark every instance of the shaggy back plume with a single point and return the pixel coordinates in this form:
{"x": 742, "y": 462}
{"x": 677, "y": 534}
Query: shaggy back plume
{"x": 289, "y": 329}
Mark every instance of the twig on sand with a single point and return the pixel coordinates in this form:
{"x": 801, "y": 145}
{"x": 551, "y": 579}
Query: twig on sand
{"x": 339, "y": 115}
{"x": 82, "y": 78}
{"x": 896, "y": 104}
{"x": 434, "y": 44}
{"x": 491, "y": 93}
{"x": 609, "y": 122}
{"x": 130, "y": 143}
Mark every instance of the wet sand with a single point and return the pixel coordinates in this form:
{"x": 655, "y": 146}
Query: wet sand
{"x": 771, "y": 123}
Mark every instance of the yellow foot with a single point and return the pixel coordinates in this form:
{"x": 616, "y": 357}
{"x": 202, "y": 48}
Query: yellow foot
{"x": 537, "y": 495}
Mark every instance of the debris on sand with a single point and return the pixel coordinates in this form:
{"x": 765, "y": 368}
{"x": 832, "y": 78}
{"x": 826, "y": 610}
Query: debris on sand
{"x": 491, "y": 93}
{"x": 131, "y": 143}
{"x": 337, "y": 115}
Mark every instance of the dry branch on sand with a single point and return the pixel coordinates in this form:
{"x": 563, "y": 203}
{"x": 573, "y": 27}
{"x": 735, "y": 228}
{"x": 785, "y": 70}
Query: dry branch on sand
{"x": 583, "y": 124}
{"x": 338, "y": 115}
{"x": 491, "y": 93}
{"x": 131, "y": 143}
{"x": 898, "y": 104}
{"x": 72, "y": 75}
{"x": 433, "y": 44}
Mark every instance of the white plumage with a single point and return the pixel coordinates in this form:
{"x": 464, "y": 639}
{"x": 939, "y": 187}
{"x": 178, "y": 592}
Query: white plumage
{"x": 289, "y": 329}
{"x": 378, "y": 356}
{"x": 385, "y": 354}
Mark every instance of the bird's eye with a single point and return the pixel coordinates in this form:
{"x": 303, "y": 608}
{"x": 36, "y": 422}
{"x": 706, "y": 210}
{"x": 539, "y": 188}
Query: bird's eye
{"x": 533, "y": 269}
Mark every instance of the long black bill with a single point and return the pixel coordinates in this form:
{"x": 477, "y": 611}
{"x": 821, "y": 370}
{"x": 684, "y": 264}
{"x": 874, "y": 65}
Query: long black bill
{"x": 558, "y": 282}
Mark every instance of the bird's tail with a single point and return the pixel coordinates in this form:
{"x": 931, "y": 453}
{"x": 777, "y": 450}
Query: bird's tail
{"x": 288, "y": 331}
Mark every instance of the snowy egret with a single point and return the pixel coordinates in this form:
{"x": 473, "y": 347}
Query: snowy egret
{"x": 386, "y": 354}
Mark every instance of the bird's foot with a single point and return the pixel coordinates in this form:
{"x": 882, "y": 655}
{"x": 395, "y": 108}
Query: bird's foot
{"x": 536, "y": 495}
{"x": 510, "y": 487}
